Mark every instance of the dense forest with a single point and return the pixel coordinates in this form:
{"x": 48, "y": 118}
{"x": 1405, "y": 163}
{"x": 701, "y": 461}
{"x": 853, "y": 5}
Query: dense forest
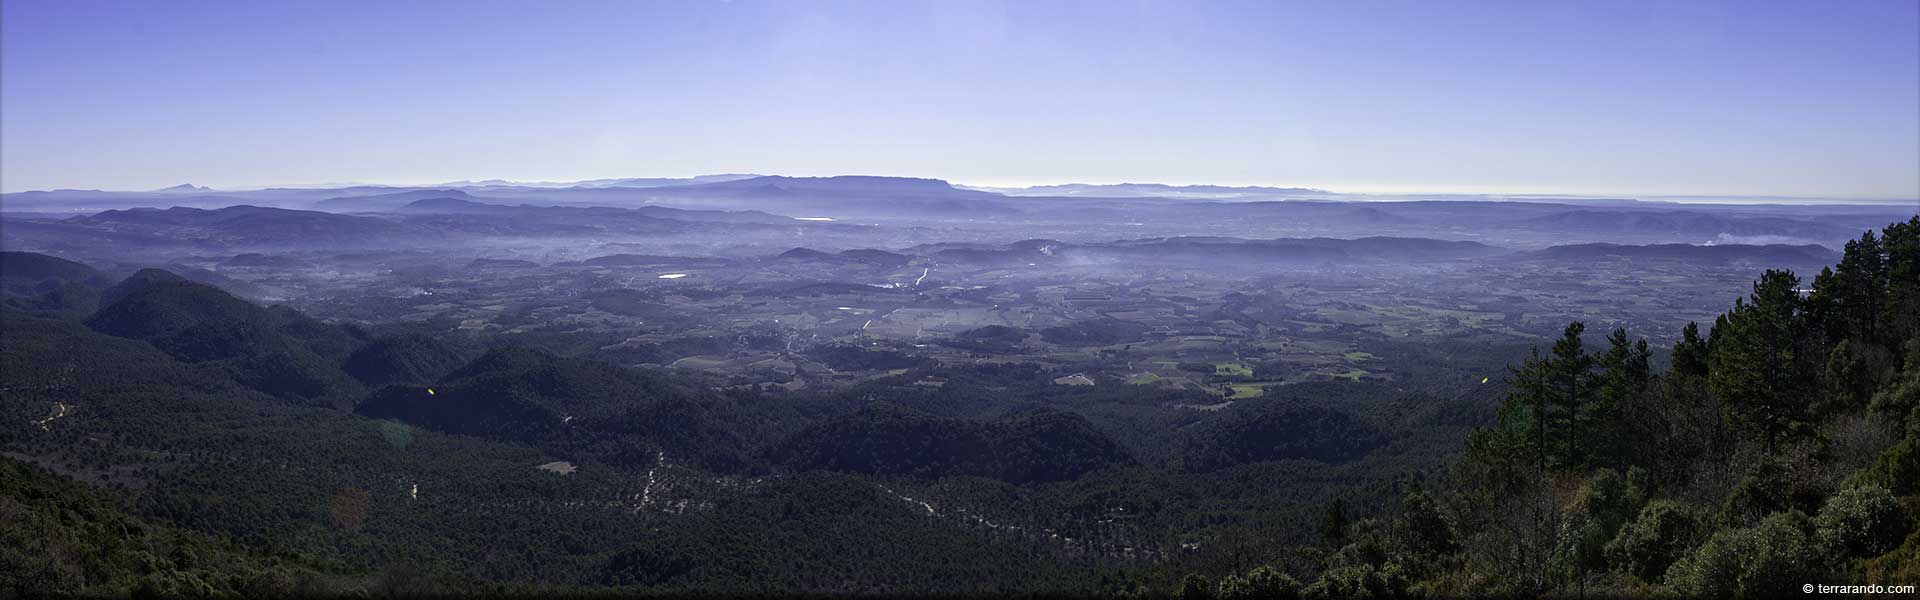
{"x": 160, "y": 435}
{"x": 1779, "y": 451}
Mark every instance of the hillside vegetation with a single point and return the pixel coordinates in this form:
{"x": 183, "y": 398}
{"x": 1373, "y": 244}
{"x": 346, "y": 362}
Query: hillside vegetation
{"x": 1783, "y": 449}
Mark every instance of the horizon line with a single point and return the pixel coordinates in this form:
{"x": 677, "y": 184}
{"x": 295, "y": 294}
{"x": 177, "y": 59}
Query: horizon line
{"x": 1358, "y": 192}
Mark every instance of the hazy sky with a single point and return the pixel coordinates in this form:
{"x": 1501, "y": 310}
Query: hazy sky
{"x": 1693, "y": 97}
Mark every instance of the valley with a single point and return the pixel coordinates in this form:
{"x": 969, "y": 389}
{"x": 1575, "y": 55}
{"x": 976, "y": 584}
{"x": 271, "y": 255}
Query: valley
{"x": 1143, "y": 300}
{"x": 713, "y": 395}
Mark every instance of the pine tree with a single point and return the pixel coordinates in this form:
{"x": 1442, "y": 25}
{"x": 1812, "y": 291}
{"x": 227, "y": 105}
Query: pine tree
{"x": 1825, "y": 317}
{"x": 1901, "y": 310}
{"x": 1757, "y": 363}
{"x": 1428, "y": 533}
{"x": 1570, "y": 385}
{"x": 1626, "y": 372}
{"x": 1849, "y": 381}
{"x": 1552, "y": 396}
{"x": 1526, "y": 405}
{"x": 1862, "y": 277}
{"x": 1690, "y": 355}
{"x": 1334, "y": 525}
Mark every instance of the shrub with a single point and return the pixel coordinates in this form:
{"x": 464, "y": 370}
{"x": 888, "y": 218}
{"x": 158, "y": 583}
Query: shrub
{"x": 1787, "y": 480}
{"x": 1363, "y": 581}
{"x": 1660, "y": 535}
{"x": 1900, "y": 401}
{"x": 1771, "y": 559}
{"x": 1603, "y": 506}
{"x": 1262, "y": 583}
{"x": 1427, "y": 531}
{"x": 1897, "y": 469}
{"x": 1864, "y": 521}
{"x": 1195, "y": 587}
{"x": 1610, "y": 499}
{"x": 1901, "y": 566}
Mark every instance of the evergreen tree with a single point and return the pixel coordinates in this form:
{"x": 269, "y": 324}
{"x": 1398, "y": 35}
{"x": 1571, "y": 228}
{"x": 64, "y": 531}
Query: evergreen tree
{"x": 1571, "y": 391}
{"x": 1525, "y": 411}
{"x": 1862, "y": 280}
{"x": 1690, "y": 355}
{"x": 1334, "y": 525}
{"x": 1757, "y": 361}
{"x": 1626, "y": 372}
{"x": 1850, "y": 378}
{"x": 1553, "y": 396}
{"x": 1901, "y": 310}
{"x": 1825, "y": 316}
{"x": 1426, "y": 528}
{"x": 1683, "y": 421}
{"x": 1195, "y": 587}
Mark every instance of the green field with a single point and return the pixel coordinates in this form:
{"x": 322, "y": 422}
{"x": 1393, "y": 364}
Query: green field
{"x": 1357, "y": 356}
{"x": 1243, "y": 391}
{"x": 1143, "y": 379}
{"x": 1233, "y": 369}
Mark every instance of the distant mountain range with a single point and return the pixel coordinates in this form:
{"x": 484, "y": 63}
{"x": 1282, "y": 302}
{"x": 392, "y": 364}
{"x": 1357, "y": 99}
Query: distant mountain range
{"x": 1160, "y": 190}
{"x": 1230, "y": 253}
{"x": 37, "y": 200}
{"x": 1215, "y": 252}
{"x": 1773, "y": 254}
{"x": 386, "y": 202}
{"x": 240, "y": 225}
{"x": 400, "y": 219}
{"x": 637, "y": 182}
{"x": 184, "y": 188}
{"x": 194, "y": 216}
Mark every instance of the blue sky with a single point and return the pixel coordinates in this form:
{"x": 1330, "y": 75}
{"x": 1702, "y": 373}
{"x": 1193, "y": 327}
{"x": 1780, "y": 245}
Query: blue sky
{"x": 1698, "y": 97}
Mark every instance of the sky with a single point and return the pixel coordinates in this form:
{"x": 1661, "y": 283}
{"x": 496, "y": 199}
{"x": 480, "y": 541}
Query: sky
{"x": 1701, "y": 97}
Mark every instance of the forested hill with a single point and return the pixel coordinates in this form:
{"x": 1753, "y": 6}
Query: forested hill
{"x": 1781, "y": 448}
{"x": 1044, "y": 445}
{"x": 198, "y": 484}
{"x": 162, "y": 435}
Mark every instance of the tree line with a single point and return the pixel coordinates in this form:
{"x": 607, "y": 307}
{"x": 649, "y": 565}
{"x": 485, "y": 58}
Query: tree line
{"x": 1780, "y": 447}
